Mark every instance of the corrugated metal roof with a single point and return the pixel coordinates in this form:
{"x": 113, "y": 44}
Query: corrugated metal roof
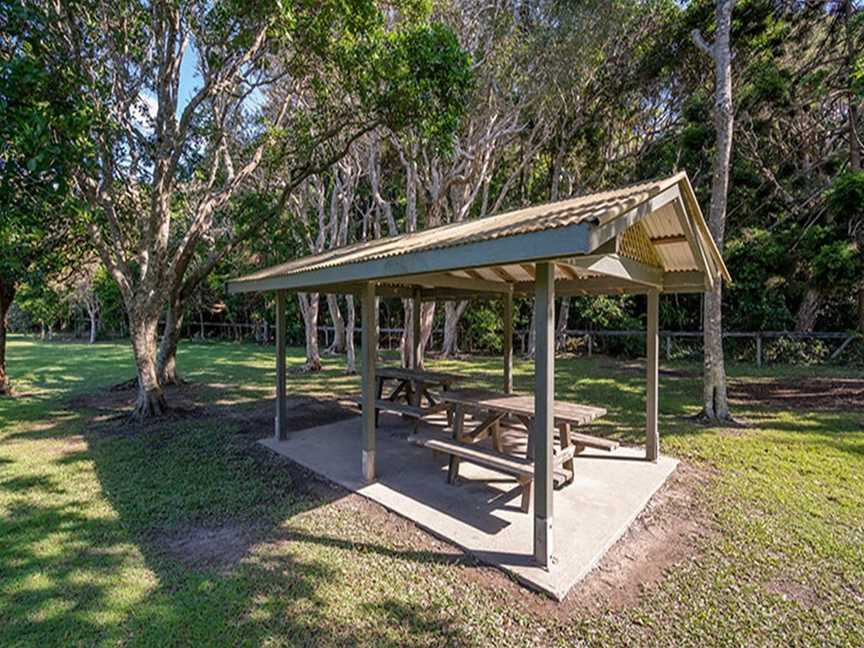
{"x": 598, "y": 209}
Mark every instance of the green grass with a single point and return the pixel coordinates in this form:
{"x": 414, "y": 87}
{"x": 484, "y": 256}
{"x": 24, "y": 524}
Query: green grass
{"x": 81, "y": 513}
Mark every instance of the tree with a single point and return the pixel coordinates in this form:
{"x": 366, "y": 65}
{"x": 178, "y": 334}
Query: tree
{"x": 715, "y": 400}
{"x": 43, "y": 120}
{"x": 82, "y": 291}
{"x": 283, "y": 91}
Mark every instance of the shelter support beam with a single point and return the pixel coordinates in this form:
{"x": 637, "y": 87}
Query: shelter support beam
{"x": 369, "y": 349}
{"x": 652, "y": 434}
{"x": 416, "y": 334}
{"x": 544, "y": 403}
{"x": 618, "y": 267}
{"x": 281, "y": 403}
{"x": 507, "y": 305}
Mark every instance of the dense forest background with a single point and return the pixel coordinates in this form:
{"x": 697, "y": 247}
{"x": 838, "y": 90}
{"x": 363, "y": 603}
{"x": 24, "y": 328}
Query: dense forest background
{"x": 566, "y": 98}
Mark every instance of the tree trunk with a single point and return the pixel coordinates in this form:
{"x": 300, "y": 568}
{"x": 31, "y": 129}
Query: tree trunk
{"x": 7, "y": 294}
{"x": 808, "y": 311}
{"x": 715, "y": 401}
{"x": 166, "y": 367}
{"x": 309, "y": 309}
{"x": 143, "y": 329}
{"x": 861, "y": 309}
{"x": 350, "y": 352}
{"x": 452, "y": 314}
{"x": 561, "y": 329}
{"x": 338, "y": 345}
{"x": 406, "y": 340}
{"x": 532, "y": 337}
{"x": 852, "y": 104}
{"x": 93, "y": 324}
{"x": 427, "y": 318}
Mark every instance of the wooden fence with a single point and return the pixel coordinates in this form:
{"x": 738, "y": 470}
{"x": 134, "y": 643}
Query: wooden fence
{"x": 389, "y": 337}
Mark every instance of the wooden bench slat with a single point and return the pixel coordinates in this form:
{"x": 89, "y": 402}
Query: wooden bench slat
{"x": 593, "y": 442}
{"x": 402, "y": 408}
{"x": 517, "y": 466}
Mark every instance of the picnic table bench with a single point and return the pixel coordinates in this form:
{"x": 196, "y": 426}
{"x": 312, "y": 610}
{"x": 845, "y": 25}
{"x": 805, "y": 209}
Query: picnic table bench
{"x": 492, "y": 410}
{"x": 412, "y": 396}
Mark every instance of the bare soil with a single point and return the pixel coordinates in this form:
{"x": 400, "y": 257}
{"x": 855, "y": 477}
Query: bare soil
{"x": 218, "y": 548}
{"x": 804, "y": 394}
{"x": 793, "y": 591}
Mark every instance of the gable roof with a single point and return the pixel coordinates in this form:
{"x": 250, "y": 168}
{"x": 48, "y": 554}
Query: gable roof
{"x": 658, "y": 221}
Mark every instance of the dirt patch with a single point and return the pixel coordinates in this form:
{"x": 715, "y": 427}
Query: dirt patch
{"x": 813, "y": 394}
{"x": 109, "y": 409}
{"x": 209, "y": 548}
{"x": 638, "y": 368}
{"x": 793, "y": 591}
{"x": 669, "y": 531}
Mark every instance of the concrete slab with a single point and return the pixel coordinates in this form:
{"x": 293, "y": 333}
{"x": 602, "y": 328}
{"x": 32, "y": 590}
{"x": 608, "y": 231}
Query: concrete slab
{"x": 481, "y": 514}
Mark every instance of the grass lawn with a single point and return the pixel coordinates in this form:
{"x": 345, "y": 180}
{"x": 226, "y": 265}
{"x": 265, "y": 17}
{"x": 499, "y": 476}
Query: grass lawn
{"x": 94, "y": 523}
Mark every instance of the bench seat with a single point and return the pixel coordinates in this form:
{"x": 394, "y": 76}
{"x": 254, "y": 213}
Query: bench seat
{"x": 519, "y": 467}
{"x": 411, "y": 411}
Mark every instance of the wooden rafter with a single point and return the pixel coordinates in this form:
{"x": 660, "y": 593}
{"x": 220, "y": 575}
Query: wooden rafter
{"x": 619, "y": 267}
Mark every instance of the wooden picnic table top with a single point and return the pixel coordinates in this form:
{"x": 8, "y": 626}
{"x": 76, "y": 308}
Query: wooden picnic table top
{"x": 432, "y": 377}
{"x": 521, "y": 405}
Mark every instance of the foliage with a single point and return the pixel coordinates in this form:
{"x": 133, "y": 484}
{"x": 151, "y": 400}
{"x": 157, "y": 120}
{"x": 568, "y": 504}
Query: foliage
{"x": 797, "y": 352}
{"x": 483, "y": 328}
{"x": 43, "y": 125}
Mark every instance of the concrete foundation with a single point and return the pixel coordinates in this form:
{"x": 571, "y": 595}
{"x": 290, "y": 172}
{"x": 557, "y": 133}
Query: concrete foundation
{"x": 481, "y": 514}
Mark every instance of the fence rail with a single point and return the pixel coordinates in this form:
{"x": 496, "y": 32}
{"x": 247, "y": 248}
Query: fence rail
{"x": 846, "y": 338}
{"x": 758, "y": 336}
{"x": 263, "y": 332}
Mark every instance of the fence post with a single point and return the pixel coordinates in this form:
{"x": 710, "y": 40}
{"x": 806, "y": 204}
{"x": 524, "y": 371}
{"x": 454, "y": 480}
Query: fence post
{"x": 759, "y": 350}
{"x": 668, "y": 347}
{"x": 590, "y": 345}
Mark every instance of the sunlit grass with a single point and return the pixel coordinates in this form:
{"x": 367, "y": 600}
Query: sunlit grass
{"x": 81, "y": 514}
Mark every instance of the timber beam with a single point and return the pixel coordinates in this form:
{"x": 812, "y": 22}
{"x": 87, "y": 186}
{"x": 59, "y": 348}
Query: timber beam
{"x": 618, "y": 267}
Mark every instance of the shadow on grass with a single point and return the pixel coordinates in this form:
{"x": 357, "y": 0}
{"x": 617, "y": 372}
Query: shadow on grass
{"x": 74, "y": 570}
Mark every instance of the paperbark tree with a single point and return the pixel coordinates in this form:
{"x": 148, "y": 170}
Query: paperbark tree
{"x": 169, "y": 167}
{"x": 81, "y": 292}
{"x": 715, "y": 399}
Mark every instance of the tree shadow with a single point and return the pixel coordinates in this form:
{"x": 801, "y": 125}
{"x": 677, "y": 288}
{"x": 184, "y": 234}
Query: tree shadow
{"x": 139, "y": 566}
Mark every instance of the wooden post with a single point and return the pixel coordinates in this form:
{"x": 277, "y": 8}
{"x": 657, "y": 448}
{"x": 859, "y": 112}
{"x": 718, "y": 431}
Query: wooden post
{"x": 758, "y": 350}
{"x": 590, "y": 345}
{"x": 281, "y": 408}
{"x": 415, "y": 334}
{"x": 507, "y": 304}
{"x": 369, "y": 350}
{"x": 668, "y": 347}
{"x": 652, "y": 436}
{"x": 544, "y": 404}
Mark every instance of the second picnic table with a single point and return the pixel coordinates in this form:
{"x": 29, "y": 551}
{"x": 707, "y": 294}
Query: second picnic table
{"x": 413, "y": 394}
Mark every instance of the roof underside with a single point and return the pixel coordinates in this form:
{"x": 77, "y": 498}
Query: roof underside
{"x": 642, "y": 237}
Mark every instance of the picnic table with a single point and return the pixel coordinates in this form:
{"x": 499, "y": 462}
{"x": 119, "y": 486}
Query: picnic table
{"x": 492, "y": 410}
{"x": 412, "y": 395}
